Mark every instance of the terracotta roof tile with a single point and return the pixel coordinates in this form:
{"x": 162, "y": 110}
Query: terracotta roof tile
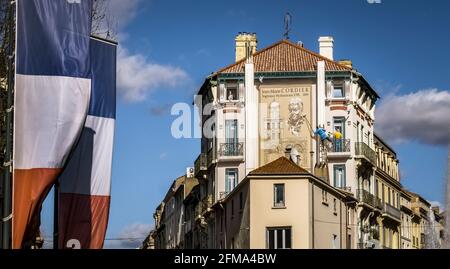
{"x": 285, "y": 56}
{"x": 281, "y": 166}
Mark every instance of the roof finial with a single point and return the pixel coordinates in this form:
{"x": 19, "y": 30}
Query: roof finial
{"x": 287, "y": 24}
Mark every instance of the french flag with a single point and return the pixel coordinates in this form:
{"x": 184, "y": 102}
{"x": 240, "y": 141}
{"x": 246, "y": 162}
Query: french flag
{"x": 52, "y": 97}
{"x": 84, "y": 198}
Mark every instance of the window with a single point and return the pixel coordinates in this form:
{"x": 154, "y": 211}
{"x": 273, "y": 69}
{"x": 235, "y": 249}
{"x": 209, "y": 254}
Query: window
{"x": 335, "y": 206}
{"x": 279, "y": 200}
{"x": 339, "y": 176}
{"x": 324, "y": 197}
{"x": 232, "y": 93}
{"x": 231, "y": 138}
{"x": 279, "y": 238}
{"x": 334, "y": 241}
{"x": 338, "y": 91}
{"x": 231, "y": 178}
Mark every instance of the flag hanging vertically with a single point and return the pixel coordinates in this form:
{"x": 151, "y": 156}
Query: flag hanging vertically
{"x": 86, "y": 180}
{"x": 52, "y": 95}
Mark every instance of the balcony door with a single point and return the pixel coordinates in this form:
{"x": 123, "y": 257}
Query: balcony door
{"x": 339, "y": 124}
{"x": 231, "y": 137}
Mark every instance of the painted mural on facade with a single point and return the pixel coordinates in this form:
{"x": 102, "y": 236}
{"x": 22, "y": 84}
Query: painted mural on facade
{"x": 285, "y": 117}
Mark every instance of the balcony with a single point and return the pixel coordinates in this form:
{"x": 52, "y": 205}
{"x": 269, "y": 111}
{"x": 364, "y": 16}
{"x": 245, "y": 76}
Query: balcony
{"x": 339, "y": 146}
{"x": 392, "y": 212}
{"x": 362, "y": 150}
{"x": 200, "y": 165}
{"x": 421, "y": 209}
{"x": 369, "y": 199}
{"x": 405, "y": 205}
{"x": 231, "y": 151}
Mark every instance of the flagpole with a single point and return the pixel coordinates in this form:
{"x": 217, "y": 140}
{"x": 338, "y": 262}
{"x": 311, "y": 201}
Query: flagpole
{"x": 7, "y": 191}
{"x": 56, "y": 216}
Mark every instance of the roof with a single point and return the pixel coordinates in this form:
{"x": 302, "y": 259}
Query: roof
{"x": 285, "y": 56}
{"x": 281, "y": 166}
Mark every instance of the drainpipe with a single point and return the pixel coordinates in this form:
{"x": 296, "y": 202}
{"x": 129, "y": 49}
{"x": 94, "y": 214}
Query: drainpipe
{"x": 312, "y": 215}
{"x": 340, "y": 217}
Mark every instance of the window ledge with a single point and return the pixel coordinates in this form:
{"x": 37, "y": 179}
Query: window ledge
{"x": 279, "y": 207}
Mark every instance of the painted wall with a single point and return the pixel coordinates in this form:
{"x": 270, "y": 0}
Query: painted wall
{"x": 283, "y": 103}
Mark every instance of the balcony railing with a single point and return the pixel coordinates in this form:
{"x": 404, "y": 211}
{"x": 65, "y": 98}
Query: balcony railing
{"x": 392, "y": 211}
{"x": 347, "y": 189}
{"x": 339, "y": 146}
{"x": 201, "y": 163}
{"x": 368, "y": 198}
{"x": 231, "y": 150}
{"x": 362, "y": 149}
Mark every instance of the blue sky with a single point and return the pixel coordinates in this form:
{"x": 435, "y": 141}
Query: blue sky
{"x": 168, "y": 47}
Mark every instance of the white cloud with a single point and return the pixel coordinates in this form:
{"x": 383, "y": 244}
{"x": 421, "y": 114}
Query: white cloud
{"x": 422, "y": 116}
{"x": 131, "y": 237}
{"x": 137, "y": 76}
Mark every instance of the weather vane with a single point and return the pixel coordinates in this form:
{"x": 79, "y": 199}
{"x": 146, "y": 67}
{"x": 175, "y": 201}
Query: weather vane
{"x": 287, "y": 25}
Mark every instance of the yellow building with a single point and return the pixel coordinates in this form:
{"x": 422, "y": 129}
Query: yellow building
{"x": 420, "y": 220}
{"x": 388, "y": 189}
{"x": 281, "y": 205}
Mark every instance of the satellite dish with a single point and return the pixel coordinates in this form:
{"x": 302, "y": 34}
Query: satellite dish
{"x": 295, "y": 156}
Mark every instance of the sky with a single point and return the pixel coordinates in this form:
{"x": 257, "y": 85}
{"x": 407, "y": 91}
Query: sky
{"x": 168, "y": 47}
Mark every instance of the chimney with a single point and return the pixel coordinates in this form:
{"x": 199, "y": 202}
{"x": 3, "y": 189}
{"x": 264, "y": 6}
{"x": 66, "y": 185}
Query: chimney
{"x": 346, "y": 63}
{"x": 287, "y": 152}
{"x": 326, "y": 46}
{"x": 242, "y": 40}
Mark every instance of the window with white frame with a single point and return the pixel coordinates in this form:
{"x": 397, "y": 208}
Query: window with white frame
{"x": 279, "y": 238}
{"x": 339, "y": 176}
{"x": 231, "y": 178}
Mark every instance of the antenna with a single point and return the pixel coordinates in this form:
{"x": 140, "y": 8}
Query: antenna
{"x": 287, "y": 25}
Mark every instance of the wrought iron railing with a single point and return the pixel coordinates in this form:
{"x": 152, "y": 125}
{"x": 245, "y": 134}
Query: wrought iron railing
{"x": 362, "y": 149}
{"x": 392, "y": 211}
{"x": 368, "y": 198}
{"x": 339, "y": 146}
{"x": 231, "y": 150}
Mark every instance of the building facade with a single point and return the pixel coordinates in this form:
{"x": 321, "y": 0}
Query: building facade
{"x": 281, "y": 206}
{"x": 273, "y": 100}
